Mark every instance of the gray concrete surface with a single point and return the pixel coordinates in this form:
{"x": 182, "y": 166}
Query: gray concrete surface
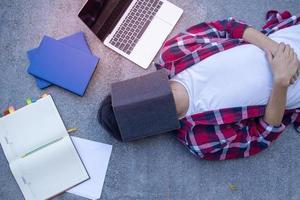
{"x": 154, "y": 168}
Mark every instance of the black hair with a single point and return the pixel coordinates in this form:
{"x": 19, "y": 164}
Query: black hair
{"x": 107, "y": 118}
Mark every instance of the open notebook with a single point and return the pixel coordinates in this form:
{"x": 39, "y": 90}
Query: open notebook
{"x": 39, "y": 150}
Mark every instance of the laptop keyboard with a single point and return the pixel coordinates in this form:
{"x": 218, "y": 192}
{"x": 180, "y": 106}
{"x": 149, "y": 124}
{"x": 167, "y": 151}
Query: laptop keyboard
{"x": 135, "y": 24}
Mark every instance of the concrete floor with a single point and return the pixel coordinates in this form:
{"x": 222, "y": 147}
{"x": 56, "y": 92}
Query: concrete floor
{"x": 157, "y": 167}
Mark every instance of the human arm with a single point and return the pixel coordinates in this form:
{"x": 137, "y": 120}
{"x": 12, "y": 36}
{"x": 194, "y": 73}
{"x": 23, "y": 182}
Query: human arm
{"x": 260, "y": 40}
{"x": 227, "y": 28}
{"x": 285, "y": 65}
{"x": 201, "y": 41}
{"x": 276, "y": 105}
{"x": 243, "y": 131}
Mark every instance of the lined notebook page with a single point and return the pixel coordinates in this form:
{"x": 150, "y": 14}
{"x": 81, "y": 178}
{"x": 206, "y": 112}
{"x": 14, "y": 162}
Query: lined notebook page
{"x": 50, "y": 170}
{"x": 31, "y": 127}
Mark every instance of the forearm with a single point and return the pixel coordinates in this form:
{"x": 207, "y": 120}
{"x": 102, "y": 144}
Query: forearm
{"x": 276, "y": 105}
{"x": 277, "y": 101}
{"x": 260, "y": 40}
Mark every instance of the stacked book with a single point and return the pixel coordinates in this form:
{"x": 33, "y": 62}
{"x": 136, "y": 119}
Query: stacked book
{"x": 67, "y": 63}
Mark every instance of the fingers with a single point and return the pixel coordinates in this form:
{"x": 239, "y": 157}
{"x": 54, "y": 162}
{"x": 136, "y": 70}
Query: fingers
{"x": 293, "y": 80}
{"x": 285, "y": 49}
{"x": 292, "y": 53}
{"x": 288, "y": 52}
{"x": 280, "y": 49}
{"x": 269, "y": 56}
{"x": 295, "y": 77}
{"x": 285, "y": 63}
{"x": 296, "y": 62}
{"x": 295, "y": 58}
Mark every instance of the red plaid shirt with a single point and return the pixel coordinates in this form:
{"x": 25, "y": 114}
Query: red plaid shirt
{"x": 231, "y": 132}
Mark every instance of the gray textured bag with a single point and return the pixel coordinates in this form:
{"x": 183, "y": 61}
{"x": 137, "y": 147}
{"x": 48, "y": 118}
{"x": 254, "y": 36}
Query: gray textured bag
{"x": 144, "y": 106}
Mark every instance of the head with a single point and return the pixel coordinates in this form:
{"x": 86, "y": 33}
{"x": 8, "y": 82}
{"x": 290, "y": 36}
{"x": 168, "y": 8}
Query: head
{"x": 107, "y": 119}
{"x": 139, "y": 107}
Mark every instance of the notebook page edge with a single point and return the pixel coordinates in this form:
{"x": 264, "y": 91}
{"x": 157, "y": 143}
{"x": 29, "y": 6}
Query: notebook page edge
{"x": 64, "y": 146}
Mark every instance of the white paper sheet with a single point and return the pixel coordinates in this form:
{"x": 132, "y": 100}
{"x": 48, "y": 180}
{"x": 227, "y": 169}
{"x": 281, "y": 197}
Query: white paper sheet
{"x": 95, "y": 157}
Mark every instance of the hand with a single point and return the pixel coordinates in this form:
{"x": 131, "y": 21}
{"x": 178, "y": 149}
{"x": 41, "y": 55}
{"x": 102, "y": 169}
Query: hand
{"x": 295, "y": 77}
{"x": 285, "y": 65}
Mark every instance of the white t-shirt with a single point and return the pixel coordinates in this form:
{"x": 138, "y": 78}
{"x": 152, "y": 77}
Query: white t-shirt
{"x": 240, "y": 76}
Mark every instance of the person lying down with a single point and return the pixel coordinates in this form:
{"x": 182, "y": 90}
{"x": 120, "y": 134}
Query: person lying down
{"x": 235, "y": 89}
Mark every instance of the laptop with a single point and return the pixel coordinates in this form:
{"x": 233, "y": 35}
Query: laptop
{"x": 136, "y": 29}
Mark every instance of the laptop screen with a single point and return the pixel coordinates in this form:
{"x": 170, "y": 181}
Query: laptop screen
{"x": 102, "y": 15}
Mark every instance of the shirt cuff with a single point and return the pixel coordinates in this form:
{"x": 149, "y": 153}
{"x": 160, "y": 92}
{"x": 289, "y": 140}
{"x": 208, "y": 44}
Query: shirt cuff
{"x": 238, "y": 29}
{"x": 271, "y": 128}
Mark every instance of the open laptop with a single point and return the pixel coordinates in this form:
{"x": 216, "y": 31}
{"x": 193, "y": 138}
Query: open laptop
{"x": 136, "y": 29}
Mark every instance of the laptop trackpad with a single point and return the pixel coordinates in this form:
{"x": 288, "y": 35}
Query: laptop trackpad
{"x": 150, "y": 42}
{"x": 169, "y": 13}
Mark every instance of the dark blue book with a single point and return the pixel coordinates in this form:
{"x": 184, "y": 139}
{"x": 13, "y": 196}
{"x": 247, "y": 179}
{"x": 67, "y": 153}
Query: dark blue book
{"x": 76, "y": 40}
{"x": 63, "y": 65}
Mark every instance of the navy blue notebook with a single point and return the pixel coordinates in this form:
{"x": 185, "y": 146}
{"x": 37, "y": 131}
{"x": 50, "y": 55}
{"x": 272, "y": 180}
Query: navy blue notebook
{"x": 63, "y": 65}
{"x": 76, "y": 40}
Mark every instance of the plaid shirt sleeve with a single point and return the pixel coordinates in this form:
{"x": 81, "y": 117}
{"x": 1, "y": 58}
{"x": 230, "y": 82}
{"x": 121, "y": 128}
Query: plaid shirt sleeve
{"x": 276, "y": 21}
{"x": 232, "y": 132}
{"x": 199, "y": 42}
